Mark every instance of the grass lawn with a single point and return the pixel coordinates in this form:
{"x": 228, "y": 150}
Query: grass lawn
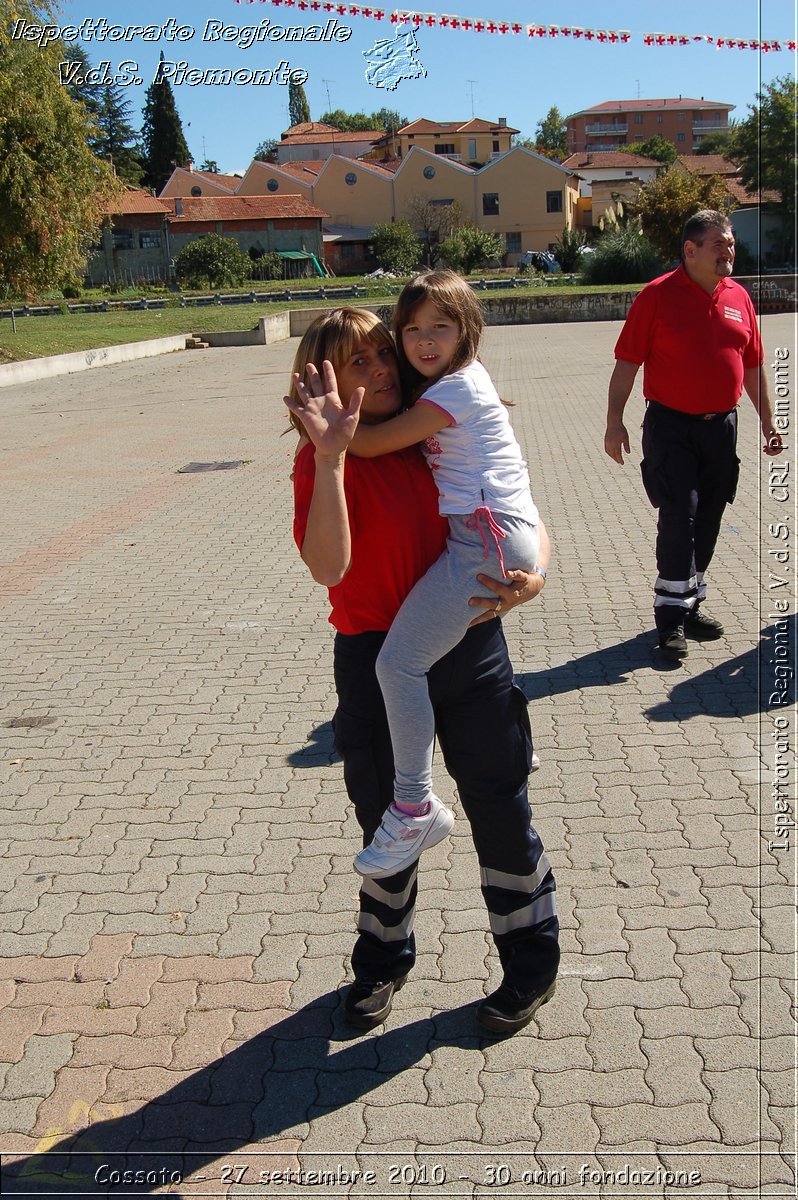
{"x": 61, "y": 333}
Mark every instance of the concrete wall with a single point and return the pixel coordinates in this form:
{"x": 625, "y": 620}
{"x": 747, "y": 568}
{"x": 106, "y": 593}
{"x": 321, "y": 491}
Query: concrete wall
{"x": 84, "y": 360}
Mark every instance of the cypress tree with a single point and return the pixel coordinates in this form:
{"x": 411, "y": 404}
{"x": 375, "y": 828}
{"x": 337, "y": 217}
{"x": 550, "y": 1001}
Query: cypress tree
{"x": 298, "y": 107}
{"x": 162, "y": 134}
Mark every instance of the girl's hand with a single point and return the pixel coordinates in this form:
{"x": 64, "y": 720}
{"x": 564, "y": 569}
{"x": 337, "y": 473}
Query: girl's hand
{"x": 329, "y": 423}
{"x": 524, "y": 586}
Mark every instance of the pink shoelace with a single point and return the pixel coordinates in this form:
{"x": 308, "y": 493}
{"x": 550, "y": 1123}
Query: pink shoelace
{"x": 479, "y": 519}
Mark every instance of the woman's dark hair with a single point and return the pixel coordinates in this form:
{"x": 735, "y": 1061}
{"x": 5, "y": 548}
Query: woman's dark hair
{"x": 450, "y": 293}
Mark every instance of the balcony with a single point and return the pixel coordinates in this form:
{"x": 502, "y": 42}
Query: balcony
{"x": 709, "y": 126}
{"x": 453, "y": 157}
{"x": 616, "y": 128}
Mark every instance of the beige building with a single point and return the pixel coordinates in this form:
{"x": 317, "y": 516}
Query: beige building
{"x": 524, "y": 197}
{"x": 314, "y": 141}
{"x": 605, "y": 177}
{"x": 186, "y": 181}
{"x": 473, "y": 142}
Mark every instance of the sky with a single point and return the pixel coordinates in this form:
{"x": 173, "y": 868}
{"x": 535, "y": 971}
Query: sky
{"x": 488, "y": 76}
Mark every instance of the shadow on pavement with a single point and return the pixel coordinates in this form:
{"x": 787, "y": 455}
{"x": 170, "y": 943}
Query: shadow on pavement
{"x": 259, "y": 1091}
{"x": 760, "y": 680}
{"x": 601, "y": 668}
{"x": 319, "y": 750}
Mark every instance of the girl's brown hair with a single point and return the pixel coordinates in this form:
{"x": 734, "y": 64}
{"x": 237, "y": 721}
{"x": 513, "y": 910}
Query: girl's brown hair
{"x": 450, "y": 293}
{"x": 335, "y": 335}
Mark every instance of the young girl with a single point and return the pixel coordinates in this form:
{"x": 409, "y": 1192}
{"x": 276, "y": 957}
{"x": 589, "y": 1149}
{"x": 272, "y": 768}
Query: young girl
{"x": 484, "y": 493}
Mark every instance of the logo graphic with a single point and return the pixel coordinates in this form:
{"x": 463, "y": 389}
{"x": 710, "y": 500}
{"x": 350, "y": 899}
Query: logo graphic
{"x": 391, "y": 60}
{"x": 733, "y": 314}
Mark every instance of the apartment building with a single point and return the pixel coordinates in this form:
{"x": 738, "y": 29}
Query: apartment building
{"x": 617, "y": 123}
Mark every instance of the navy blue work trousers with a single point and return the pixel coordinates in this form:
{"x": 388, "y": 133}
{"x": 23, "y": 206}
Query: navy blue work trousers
{"x": 690, "y": 470}
{"x": 483, "y": 730}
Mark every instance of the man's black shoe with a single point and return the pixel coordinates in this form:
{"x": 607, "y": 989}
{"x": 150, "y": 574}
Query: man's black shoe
{"x": 368, "y": 1002}
{"x": 505, "y": 1011}
{"x": 673, "y": 644}
{"x": 701, "y": 626}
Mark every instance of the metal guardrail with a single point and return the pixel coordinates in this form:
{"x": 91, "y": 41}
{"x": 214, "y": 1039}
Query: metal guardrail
{"x": 218, "y": 298}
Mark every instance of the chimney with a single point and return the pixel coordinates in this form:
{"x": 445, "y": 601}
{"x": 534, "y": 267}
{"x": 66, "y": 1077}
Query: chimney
{"x": 190, "y": 167}
{"x": 178, "y": 207}
{"x": 502, "y": 122}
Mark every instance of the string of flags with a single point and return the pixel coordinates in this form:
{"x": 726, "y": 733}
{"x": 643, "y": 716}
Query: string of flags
{"x": 403, "y": 16}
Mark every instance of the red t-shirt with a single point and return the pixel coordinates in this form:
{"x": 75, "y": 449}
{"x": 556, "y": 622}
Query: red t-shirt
{"x": 396, "y": 531}
{"x": 694, "y": 346}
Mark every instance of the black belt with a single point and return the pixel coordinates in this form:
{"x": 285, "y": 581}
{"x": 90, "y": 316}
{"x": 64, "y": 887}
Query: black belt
{"x": 677, "y": 412}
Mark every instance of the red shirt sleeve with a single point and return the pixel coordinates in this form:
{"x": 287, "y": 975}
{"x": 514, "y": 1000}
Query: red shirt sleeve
{"x": 304, "y": 479}
{"x": 634, "y": 343}
{"x": 753, "y": 355}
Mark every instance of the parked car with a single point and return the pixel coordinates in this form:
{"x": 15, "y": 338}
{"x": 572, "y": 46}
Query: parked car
{"x": 541, "y": 260}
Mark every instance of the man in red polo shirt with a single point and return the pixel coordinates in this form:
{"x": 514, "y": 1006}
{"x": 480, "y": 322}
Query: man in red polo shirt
{"x": 695, "y": 332}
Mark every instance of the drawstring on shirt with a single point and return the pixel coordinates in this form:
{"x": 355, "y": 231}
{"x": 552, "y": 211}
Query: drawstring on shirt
{"x": 481, "y": 517}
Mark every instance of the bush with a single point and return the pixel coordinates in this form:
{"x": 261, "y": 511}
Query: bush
{"x": 213, "y": 261}
{"x": 622, "y": 255}
{"x": 470, "y": 247}
{"x": 396, "y": 247}
{"x": 268, "y": 266}
{"x": 71, "y": 292}
{"x": 568, "y": 249}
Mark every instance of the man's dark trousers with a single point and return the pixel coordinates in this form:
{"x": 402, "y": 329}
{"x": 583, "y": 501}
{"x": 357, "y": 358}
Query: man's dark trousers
{"x": 690, "y": 470}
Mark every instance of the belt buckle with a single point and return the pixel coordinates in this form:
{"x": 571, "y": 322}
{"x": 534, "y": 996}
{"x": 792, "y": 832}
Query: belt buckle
{"x": 708, "y": 416}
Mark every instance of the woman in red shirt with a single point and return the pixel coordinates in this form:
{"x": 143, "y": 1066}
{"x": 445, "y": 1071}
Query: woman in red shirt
{"x": 368, "y": 529}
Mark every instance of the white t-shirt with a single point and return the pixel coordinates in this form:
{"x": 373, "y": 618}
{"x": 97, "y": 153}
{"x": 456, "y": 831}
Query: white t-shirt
{"x": 476, "y": 459}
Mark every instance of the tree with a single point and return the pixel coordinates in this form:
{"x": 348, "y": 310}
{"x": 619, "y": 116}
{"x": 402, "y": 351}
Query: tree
{"x": 433, "y": 222}
{"x": 665, "y": 203}
{"x": 763, "y": 146}
{"x": 470, "y": 247}
{"x": 114, "y": 140}
{"x": 388, "y": 119}
{"x": 656, "y": 147}
{"x": 298, "y": 107}
{"x": 718, "y": 142}
{"x": 210, "y": 165}
{"x": 568, "y": 248}
{"x": 396, "y": 247}
{"x": 164, "y": 144}
{"x": 213, "y": 260}
{"x": 54, "y": 191}
{"x": 551, "y": 136}
{"x": 266, "y": 151}
{"x": 357, "y": 122}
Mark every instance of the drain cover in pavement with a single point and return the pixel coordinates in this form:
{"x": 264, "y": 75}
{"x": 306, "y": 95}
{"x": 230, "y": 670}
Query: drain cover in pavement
{"x": 195, "y": 468}
{"x": 29, "y": 722}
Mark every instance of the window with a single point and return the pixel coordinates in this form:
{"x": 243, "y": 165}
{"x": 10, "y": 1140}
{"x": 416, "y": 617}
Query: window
{"x": 429, "y": 172}
{"x": 350, "y": 179}
{"x": 272, "y": 185}
{"x": 472, "y": 148}
{"x": 553, "y": 202}
{"x": 150, "y": 241}
{"x": 122, "y": 239}
{"x": 495, "y": 145}
{"x": 444, "y": 147}
{"x": 638, "y": 118}
{"x": 659, "y": 118}
{"x": 490, "y": 204}
{"x": 348, "y": 251}
{"x": 513, "y": 243}
{"x": 679, "y": 137}
{"x": 443, "y": 203}
{"x": 628, "y": 172}
{"x": 196, "y": 191}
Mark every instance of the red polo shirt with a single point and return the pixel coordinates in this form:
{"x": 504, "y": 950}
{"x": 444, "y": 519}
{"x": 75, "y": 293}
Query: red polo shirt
{"x": 396, "y": 532}
{"x": 694, "y": 346}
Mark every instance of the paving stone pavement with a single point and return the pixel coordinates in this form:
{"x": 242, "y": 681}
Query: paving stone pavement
{"x": 177, "y": 893}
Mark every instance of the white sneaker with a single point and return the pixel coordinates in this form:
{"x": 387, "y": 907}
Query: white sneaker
{"x": 401, "y": 838}
{"x": 535, "y": 764}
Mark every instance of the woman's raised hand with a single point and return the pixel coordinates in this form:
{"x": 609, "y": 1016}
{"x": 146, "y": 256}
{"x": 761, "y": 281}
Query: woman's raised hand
{"x": 328, "y": 422}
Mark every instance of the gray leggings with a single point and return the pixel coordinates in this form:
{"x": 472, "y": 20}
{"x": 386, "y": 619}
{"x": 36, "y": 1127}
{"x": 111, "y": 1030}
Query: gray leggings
{"x": 429, "y": 624}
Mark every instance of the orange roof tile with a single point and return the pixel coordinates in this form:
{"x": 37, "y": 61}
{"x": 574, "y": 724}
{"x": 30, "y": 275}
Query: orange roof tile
{"x": 242, "y": 208}
{"x": 607, "y": 158}
{"x": 620, "y": 106}
{"x": 135, "y": 200}
{"x": 335, "y": 135}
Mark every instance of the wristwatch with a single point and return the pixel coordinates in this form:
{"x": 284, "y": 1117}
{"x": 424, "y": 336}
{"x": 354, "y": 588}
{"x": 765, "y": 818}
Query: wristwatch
{"x": 536, "y": 570}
